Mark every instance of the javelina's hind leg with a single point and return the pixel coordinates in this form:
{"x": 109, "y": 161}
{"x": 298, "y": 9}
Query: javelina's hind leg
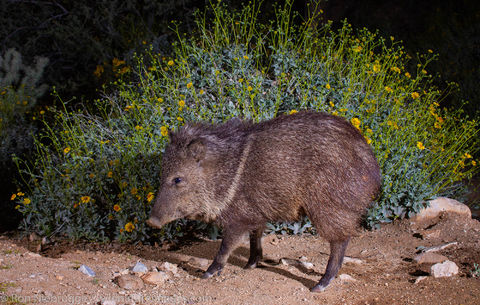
{"x": 229, "y": 243}
{"x": 337, "y": 252}
{"x": 256, "y": 253}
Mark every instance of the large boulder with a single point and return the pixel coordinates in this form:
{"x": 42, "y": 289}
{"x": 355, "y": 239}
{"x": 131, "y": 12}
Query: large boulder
{"x": 442, "y": 204}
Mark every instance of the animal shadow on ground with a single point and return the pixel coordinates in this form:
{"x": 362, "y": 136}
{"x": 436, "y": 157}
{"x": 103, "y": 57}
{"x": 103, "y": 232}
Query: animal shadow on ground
{"x": 239, "y": 258}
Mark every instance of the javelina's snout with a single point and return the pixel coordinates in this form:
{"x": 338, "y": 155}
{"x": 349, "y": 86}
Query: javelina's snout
{"x": 154, "y": 222}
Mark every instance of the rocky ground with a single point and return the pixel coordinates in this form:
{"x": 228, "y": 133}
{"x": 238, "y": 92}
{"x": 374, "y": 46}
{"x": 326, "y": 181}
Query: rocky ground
{"x": 398, "y": 264}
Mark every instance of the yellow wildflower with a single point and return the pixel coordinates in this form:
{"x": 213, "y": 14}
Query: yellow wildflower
{"x": 415, "y": 95}
{"x": 13, "y": 197}
{"x": 138, "y": 127}
{"x": 26, "y": 201}
{"x": 249, "y": 88}
{"x": 201, "y": 91}
{"x": 124, "y": 70}
{"x": 134, "y": 191}
{"x": 420, "y": 145}
{"x": 164, "y": 131}
{"x": 110, "y": 174}
{"x": 150, "y": 196}
{"x": 395, "y": 69}
{"x": 99, "y": 71}
{"x": 160, "y": 100}
{"x": 189, "y": 85}
{"x": 181, "y": 103}
{"x": 388, "y": 89}
{"x": 170, "y": 63}
{"x": 467, "y": 156}
{"x": 129, "y": 227}
{"x": 430, "y": 51}
{"x": 327, "y": 86}
{"x": 474, "y": 163}
{"x": 293, "y": 111}
{"x": 424, "y": 71}
{"x": 179, "y": 118}
{"x": 408, "y": 75}
{"x": 331, "y": 104}
{"x": 66, "y": 150}
{"x": 357, "y": 49}
{"x": 91, "y": 176}
{"x": 355, "y": 122}
{"x": 85, "y": 199}
{"x": 17, "y": 207}
{"x": 20, "y": 194}
{"x": 240, "y": 80}
{"x": 117, "y": 62}
{"x": 245, "y": 56}
{"x": 376, "y": 68}
{"x": 116, "y": 208}
{"x": 437, "y": 125}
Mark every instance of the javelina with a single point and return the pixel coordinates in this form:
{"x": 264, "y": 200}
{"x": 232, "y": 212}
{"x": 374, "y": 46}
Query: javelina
{"x": 242, "y": 175}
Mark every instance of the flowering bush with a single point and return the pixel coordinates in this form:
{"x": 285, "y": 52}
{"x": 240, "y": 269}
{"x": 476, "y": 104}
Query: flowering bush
{"x": 96, "y": 173}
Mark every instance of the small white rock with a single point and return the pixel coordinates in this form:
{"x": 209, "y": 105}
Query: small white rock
{"x": 445, "y": 269}
{"x": 351, "y": 260}
{"x": 109, "y": 302}
{"x": 429, "y": 258}
{"x": 307, "y": 265}
{"x": 155, "y": 278}
{"x": 441, "y": 247}
{"x": 419, "y": 279}
{"x": 346, "y": 278}
{"x": 86, "y": 270}
{"x": 199, "y": 262}
{"x": 168, "y": 267}
{"x": 139, "y": 267}
{"x": 130, "y": 282}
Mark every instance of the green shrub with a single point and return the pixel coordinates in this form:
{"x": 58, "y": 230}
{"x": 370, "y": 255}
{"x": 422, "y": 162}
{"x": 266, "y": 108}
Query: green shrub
{"x": 95, "y": 175}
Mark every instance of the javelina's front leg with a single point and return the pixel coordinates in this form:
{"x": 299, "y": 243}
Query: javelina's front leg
{"x": 229, "y": 243}
{"x": 256, "y": 253}
{"x": 337, "y": 252}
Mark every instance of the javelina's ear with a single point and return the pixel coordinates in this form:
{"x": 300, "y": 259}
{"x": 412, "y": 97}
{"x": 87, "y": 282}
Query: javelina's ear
{"x": 197, "y": 148}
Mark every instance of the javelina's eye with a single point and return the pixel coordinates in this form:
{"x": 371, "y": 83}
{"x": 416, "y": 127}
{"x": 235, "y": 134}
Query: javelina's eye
{"x": 177, "y": 180}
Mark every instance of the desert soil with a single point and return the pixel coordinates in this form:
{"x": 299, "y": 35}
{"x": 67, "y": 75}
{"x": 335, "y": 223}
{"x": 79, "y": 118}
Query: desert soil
{"x": 381, "y": 270}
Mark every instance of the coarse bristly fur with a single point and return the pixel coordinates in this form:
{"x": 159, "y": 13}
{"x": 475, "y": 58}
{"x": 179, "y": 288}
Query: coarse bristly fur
{"x": 243, "y": 175}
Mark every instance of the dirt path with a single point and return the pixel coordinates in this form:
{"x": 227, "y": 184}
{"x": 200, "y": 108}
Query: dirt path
{"x": 381, "y": 270}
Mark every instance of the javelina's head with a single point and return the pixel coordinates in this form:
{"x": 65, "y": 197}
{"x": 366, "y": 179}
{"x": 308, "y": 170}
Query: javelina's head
{"x": 188, "y": 168}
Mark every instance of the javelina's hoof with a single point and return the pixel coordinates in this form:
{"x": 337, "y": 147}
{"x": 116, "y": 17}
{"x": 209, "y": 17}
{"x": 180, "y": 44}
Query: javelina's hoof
{"x": 318, "y": 288}
{"x": 207, "y": 274}
{"x": 250, "y": 265}
{"x": 253, "y": 262}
